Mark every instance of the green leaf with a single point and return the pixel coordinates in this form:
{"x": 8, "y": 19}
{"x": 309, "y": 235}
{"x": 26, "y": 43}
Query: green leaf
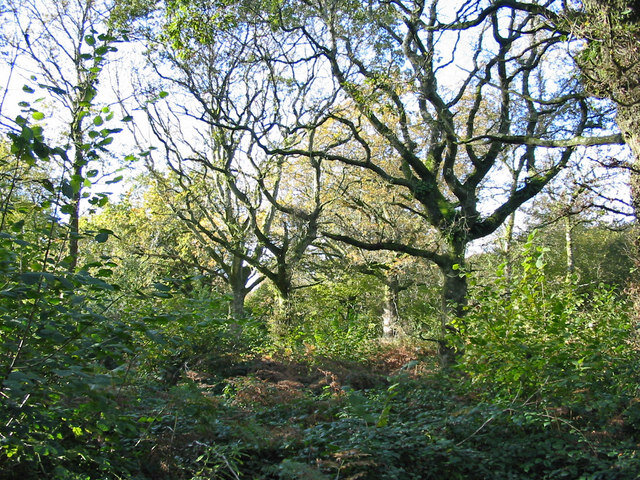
{"x": 37, "y": 132}
{"x": 55, "y": 90}
{"x": 97, "y": 121}
{"x": 40, "y": 149}
{"x": 67, "y": 209}
{"x": 17, "y": 226}
{"x": 67, "y": 189}
{"x": 115, "y": 180}
{"x": 162, "y": 287}
{"x": 37, "y": 115}
{"x": 105, "y": 37}
{"x": 163, "y": 94}
{"x": 27, "y": 89}
{"x": 90, "y": 39}
{"x": 76, "y": 183}
{"x": 26, "y": 133}
{"x": 31, "y": 278}
{"x": 102, "y": 237}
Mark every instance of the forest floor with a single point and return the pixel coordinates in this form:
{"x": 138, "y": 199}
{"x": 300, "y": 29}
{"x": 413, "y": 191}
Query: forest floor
{"x": 391, "y": 416}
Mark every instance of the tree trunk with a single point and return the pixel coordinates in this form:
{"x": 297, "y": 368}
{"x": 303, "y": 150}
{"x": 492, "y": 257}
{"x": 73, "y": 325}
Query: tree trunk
{"x": 237, "y": 311}
{"x": 454, "y": 300}
{"x": 77, "y": 179}
{"x": 238, "y": 279}
{"x": 568, "y": 236}
{"x": 237, "y": 302}
{"x": 508, "y": 245}
{"x": 629, "y": 123}
{"x": 614, "y": 72}
{"x": 282, "y": 318}
{"x": 281, "y": 321}
{"x": 390, "y": 316}
{"x": 74, "y": 231}
{"x": 628, "y": 120}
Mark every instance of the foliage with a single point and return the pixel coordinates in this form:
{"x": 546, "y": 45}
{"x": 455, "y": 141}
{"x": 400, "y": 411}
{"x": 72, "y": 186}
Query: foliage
{"x": 179, "y": 331}
{"x": 338, "y": 318}
{"x": 61, "y": 358}
{"x": 533, "y": 338}
{"x": 77, "y": 363}
{"x": 414, "y": 429}
{"x": 612, "y": 266}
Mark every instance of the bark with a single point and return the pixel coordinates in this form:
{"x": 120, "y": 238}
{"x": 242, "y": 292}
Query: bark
{"x": 282, "y": 319}
{"x": 454, "y": 301}
{"x": 238, "y": 279}
{"x": 628, "y": 120}
{"x": 237, "y": 303}
{"x": 612, "y": 70}
{"x": 568, "y": 235}
{"x": 77, "y": 170}
{"x": 390, "y": 315}
{"x": 74, "y": 223}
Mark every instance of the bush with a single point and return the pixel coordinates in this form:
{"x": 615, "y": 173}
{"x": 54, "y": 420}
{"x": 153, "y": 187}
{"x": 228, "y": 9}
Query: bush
{"x": 337, "y": 318}
{"x": 529, "y": 337}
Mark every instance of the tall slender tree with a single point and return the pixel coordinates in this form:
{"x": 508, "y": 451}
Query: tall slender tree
{"x": 63, "y": 46}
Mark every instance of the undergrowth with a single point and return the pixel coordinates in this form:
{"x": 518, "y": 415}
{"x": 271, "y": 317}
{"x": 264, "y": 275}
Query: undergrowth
{"x": 170, "y": 388}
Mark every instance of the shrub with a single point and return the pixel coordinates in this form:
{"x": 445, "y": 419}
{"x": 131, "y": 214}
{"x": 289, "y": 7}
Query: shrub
{"x": 528, "y": 337}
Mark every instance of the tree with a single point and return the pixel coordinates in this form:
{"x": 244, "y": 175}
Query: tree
{"x": 57, "y": 348}
{"x": 379, "y": 73}
{"x": 362, "y": 212}
{"x": 393, "y": 61}
{"x": 610, "y": 66}
{"x": 65, "y": 46}
{"x": 574, "y": 201}
{"x": 245, "y": 208}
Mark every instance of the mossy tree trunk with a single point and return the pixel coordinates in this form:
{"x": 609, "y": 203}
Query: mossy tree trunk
{"x": 454, "y": 299}
{"x": 239, "y": 278}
